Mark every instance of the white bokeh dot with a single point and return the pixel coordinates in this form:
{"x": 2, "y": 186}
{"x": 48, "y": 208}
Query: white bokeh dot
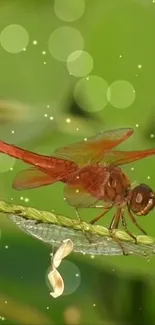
{"x": 68, "y": 271}
{"x": 63, "y": 41}
{"x": 6, "y": 162}
{"x": 79, "y": 63}
{"x": 69, "y": 10}
{"x": 91, "y": 93}
{"x": 14, "y": 38}
{"x": 121, "y": 94}
{"x": 35, "y": 42}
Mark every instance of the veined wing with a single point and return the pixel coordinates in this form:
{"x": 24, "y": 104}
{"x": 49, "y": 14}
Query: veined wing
{"x": 85, "y": 187}
{"x": 33, "y": 177}
{"x": 93, "y": 150}
{"x": 117, "y": 158}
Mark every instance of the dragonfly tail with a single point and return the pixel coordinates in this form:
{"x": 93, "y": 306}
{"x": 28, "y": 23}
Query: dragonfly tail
{"x": 24, "y": 155}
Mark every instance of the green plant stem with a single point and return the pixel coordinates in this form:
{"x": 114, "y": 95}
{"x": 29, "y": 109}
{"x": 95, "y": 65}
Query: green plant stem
{"x": 88, "y": 239}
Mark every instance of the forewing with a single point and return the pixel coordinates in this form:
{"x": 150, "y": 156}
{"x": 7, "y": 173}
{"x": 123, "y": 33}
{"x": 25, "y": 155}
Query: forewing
{"x": 118, "y": 158}
{"x": 84, "y": 192}
{"x": 93, "y": 150}
{"x": 31, "y": 178}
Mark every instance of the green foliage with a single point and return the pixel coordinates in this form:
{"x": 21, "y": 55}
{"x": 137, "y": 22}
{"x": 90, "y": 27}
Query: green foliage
{"x": 114, "y": 289}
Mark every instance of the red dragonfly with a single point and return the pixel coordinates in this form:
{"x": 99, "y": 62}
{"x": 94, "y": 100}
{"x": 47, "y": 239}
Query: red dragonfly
{"x": 92, "y": 175}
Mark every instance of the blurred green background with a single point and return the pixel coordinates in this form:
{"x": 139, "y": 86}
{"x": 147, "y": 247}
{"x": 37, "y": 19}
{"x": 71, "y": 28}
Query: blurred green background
{"x": 69, "y": 69}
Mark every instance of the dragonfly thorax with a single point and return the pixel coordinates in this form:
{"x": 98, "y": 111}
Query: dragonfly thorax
{"x": 117, "y": 186}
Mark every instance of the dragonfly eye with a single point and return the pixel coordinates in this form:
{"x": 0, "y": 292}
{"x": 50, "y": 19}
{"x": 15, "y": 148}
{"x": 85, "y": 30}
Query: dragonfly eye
{"x": 142, "y": 199}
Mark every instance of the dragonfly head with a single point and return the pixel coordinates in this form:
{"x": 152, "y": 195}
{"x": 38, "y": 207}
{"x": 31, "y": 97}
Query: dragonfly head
{"x": 142, "y": 199}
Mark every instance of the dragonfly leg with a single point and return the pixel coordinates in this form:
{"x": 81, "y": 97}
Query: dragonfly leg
{"x": 114, "y": 225}
{"x": 135, "y": 222}
{"x": 100, "y": 216}
{"x": 78, "y": 216}
{"x": 124, "y": 224}
{"x": 80, "y": 221}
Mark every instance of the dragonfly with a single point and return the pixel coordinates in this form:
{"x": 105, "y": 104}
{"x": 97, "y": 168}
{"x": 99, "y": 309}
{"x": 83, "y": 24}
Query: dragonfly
{"x": 92, "y": 175}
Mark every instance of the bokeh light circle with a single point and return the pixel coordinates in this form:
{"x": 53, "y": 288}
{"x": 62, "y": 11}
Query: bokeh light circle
{"x": 6, "y": 163}
{"x": 121, "y": 94}
{"x": 71, "y": 277}
{"x": 63, "y": 41}
{"x": 90, "y": 93}
{"x": 69, "y": 10}
{"x": 14, "y": 38}
{"x": 72, "y": 315}
{"x": 79, "y": 63}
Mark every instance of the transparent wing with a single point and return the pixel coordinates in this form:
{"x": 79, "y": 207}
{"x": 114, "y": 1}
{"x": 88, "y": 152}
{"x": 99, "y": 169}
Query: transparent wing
{"x": 118, "y": 158}
{"x": 85, "y": 187}
{"x": 93, "y": 150}
{"x": 31, "y": 178}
